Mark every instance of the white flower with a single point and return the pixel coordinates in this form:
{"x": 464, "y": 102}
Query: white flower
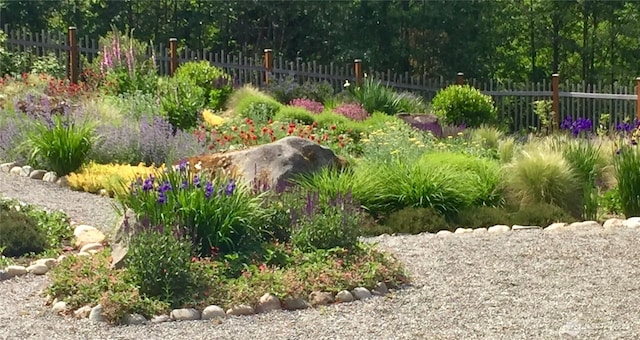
{"x": 346, "y": 83}
{"x": 198, "y": 166}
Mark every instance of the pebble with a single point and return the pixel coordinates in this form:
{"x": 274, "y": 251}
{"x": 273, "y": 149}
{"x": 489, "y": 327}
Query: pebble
{"x": 613, "y": 223}
{"x": 268, "y": 302}
{"x": 556, "y": 226}
{"x": 160, "y": 318}
{"x": 318, "y": 298}
{"x": 59, "y": 307}
{"x": 96, "y": 314}
{"x": 500, "y": 228}
{"x": 38, "y": 269}
{"x": 13, "y": 271}
{"x": 291, "y": 303}
{"x": 134, "y": 319}
{"x": 37, "y": 174}
{"x": 444, "y": 233}
{"x": 344, "y": 296}
{"x": 241, "y": 310}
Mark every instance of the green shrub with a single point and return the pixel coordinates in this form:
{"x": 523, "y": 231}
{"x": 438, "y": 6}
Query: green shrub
{"x": 260, "y": 112}
{"x": 541, "y": 214}
{"x": 543, "y": 176}
{"x": 374, "y": 96}
{"x": 286, "y": 89}
{"x": 328, "y": 223}
{"x": 466, "y": 105}
{"x": 180, "y": 102}
{"x": 19, "y": 234}
{"x": 48, "y": 64}
{"x": 610, "y": 202}
{"x": 215, "y": 83}
{"x": 158, "y": 262}
{"x": 488, "y": 137}
{"x": 627, "y": 163}
{"x": 62, "y": 144}
{"x": 53, "y": 226}
{"x": 482, "y": 217}
{"x": 289, "y": 113}
{"x": 414, "y": 220}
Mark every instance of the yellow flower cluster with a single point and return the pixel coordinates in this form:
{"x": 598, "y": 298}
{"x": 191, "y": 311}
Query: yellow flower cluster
{"x": 111, "y": 177}
{"x": 211, "y": 118}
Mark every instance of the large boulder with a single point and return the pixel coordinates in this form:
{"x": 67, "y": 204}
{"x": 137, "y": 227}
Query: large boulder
{"x": 423, "y": 122}
{"x": 274, "y": 163}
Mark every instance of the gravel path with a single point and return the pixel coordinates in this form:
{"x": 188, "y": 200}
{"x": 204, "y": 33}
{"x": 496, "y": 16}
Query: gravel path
{"x": 520, "y": 285}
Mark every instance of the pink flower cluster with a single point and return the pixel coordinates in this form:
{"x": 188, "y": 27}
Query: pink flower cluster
{"x": 308, "y": 104}
{"x": 112, "y": 57}
{"x": 353, "y": 111}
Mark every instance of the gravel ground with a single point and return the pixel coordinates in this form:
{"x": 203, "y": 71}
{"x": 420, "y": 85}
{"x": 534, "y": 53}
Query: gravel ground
{"x": 579, "y": 284}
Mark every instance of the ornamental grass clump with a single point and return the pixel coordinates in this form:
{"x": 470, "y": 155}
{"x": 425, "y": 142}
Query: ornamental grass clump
{"x": 218, "y": 212}
{"x": 542, "y": 176}
{"x": 60, "y": 143}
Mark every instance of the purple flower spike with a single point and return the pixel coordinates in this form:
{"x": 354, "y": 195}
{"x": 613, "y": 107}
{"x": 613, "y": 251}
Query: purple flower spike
{"x": 231, "y": 187}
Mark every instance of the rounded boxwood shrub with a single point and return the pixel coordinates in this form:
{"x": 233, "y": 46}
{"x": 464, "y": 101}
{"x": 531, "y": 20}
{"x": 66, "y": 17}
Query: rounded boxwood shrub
{"x": 414, "y": 220}
{"x": 541, "y": 214}
{"x": 19, "y": 234}
{"x": 482, "y": 217}
{"x": 457, "y": 105}
{"x": 216, "y": 84}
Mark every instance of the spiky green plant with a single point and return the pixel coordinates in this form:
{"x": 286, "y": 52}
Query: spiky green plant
{"x": 506, "y": 149}
{"x": 627, "y": 164}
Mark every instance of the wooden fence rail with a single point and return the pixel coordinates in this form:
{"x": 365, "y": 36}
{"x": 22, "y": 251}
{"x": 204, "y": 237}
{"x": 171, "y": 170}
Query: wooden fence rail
{"x": 515, "y": 101}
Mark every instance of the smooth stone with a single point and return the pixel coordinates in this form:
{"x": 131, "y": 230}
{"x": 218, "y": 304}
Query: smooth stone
{"x": 89, "y": 236}
{"x": 380, "y": 289}
{"x": 318, "y": 298}
{"x": 480, "y": 231}
{"x": 241, "y": 310}
{"x": 613, "y": 223}
{"x": 134, "y": 319}
{"x": 585, "y": 225}
{"x": 463, "y": 231}
{"x": 16, "y": 170}
{"x": 3, "y": 275}
{"x": 59, "y": 307}
{"x": 81, "y": 228}
{"x": 344, "y": 296}
{"x": 182, "y": 314}
{"x": 37, "y": 174}
{"x": 361, "y": 293}
{"x": 26, "y": 170}
{"x": 160, "y": 318}
{"x": 268, "y": 302}
{"x": 632, "y": 222}
{"x": 13, "y": 271}
{"x": 50, "y": 177}
{"x": 90, "y": 246}
{"x": 444, "y": 233}
{"x": 6, "y": 167}
{"x": 213, "y": 312}
{"x": 556, "y": 226}
{"x": 499, "y": 228}
{"x": 82, "y": 312}
{"x": 38, "y": 269}
{"x": 525, "y": 227}
{"x": 96, "y": 314}
{"x": 83, "y": 253}
{"x": 295, "y": 303}
{"x": 62, "y": 181}
{"x": 49, "y": 262}
{"x": 103, "y": 193}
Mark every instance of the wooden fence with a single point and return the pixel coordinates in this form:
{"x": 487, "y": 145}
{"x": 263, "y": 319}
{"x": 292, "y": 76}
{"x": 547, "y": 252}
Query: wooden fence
{"x": 515, "y": 102}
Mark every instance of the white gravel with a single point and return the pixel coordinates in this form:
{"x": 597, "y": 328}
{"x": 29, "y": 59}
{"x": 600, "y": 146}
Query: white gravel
{"x": 519, "y": 285}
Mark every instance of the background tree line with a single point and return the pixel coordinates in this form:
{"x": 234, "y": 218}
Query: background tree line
{"x": 516, "y": 40}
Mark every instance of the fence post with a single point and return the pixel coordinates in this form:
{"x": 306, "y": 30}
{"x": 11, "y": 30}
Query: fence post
{"x": 173, "y": 55}
{"x": 73, "y": 65}
{"x": 268, "y": 62}
{"x": 460, "y": 78}
{"x": 555, "y": 96}
{"x": 357, "y": 70}
{"x": 638, "y": 98}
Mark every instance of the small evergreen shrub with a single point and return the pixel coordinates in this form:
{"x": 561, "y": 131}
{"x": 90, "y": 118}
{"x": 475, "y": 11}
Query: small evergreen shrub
{"x": 215, "y": 83}
{"x": 540, "y": 214}
{"x": 457, "y": 105}
{"x": 158, "y": 262}
{"x": 260, "y": 112}
{"x": 414, "y": 220}
{"x": 19, "y": 234}
{"x": 482, "y": 217}
{"x": 294, "y": 114}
